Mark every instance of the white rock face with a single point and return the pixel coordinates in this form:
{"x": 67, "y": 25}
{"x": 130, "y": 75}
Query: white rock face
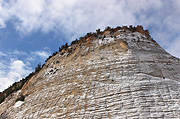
{"x": 127, "y": 76}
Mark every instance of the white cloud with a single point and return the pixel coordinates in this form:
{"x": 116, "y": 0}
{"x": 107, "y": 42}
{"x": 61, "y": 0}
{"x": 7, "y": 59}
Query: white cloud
{"x": 14, "y": 66}
{"x": 77, "y": 17}
{"x": 2, "y": 54}
{"x": 17, "y": 52}
{"x": 2, "y": 24}
{"x": 17, "y": 70}
{"x": 42, "y": 54}
{"x": 82, "y": 15}
{"x": 72, "y": 15}
{"x": 174, "y": 47}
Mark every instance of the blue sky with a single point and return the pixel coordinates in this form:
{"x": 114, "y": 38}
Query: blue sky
{"x": 31, "y": 30}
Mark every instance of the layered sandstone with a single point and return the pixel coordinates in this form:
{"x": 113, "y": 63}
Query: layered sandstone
{"x": 117, "y": 74}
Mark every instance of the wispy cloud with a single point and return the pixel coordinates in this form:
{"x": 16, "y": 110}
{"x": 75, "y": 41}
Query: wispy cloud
{"x": 42, "y": 54}
{"x": 2, "y": 54}
{"x": 17, "y": 52}
{"x": 174, "y": 47}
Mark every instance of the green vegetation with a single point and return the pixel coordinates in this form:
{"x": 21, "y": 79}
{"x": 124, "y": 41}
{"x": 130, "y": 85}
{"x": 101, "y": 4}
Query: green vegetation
{"x": 74, "y": 42}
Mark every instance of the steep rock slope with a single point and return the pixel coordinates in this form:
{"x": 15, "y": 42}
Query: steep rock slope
{"x": 119, "y": 74}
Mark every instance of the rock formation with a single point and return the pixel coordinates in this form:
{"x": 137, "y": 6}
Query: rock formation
{"x": 118, "y": 73}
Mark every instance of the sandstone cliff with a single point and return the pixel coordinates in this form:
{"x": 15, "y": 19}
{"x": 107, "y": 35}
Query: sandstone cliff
{"x": 118, "y": 73}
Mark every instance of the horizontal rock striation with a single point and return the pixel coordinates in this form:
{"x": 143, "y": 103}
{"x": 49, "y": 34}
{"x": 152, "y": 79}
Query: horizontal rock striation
{"x": 119, "y": 74}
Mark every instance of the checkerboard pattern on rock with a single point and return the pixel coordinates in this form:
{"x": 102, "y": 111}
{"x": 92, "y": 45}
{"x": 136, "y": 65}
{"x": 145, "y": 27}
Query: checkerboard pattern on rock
{"x": 122, "y": 75}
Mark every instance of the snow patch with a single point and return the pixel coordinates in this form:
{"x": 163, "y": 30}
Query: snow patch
{"x": 18, "y": 104}
{"x": 105, "y": 40}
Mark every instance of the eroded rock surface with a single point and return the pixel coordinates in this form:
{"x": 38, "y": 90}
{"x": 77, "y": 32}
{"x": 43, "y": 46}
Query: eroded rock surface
{"x": 123, "y": 75}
